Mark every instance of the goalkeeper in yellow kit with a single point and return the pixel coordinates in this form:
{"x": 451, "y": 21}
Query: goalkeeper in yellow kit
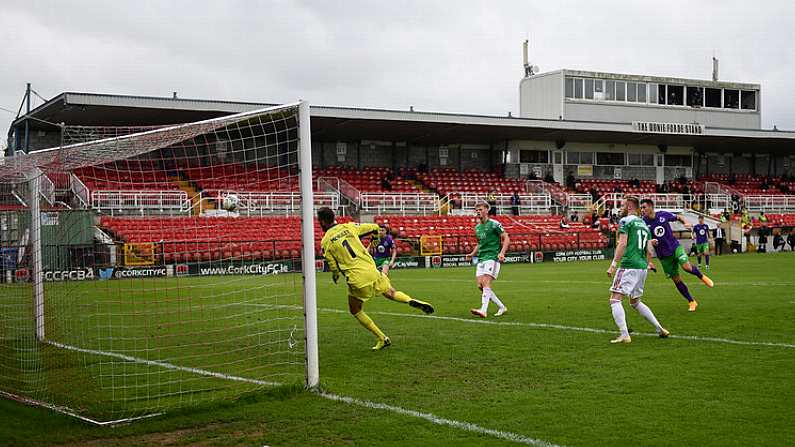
{"x": 345, "y": 254}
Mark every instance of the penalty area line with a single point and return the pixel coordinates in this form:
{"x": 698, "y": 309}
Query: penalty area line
{"x": 432, "y": 418}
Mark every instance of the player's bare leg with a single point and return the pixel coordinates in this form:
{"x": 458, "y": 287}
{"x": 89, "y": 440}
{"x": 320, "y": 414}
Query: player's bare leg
{"x": 400, "y": 297}
{"x": 355, "y": 307}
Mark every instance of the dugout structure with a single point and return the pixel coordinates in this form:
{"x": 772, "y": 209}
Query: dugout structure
{"x": 105, "y": 326}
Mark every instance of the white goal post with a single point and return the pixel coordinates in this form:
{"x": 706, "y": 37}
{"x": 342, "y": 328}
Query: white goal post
{"x": 113, "y": 317}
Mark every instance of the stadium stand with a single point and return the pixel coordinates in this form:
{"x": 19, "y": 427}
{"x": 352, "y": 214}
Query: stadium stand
{"x": 193, "y": 239}
{"x": 448, "y": 180}
{"x": 127, "y": 175}
{"x": 527, "y": 232}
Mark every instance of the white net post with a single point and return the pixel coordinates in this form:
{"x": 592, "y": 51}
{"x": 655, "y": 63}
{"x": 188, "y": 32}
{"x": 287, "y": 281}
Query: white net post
{"x": 36, "y": 253}
{"x": 308, "y": 246}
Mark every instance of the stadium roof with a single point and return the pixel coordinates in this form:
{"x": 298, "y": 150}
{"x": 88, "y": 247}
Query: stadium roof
{"x": 350, "y": 124}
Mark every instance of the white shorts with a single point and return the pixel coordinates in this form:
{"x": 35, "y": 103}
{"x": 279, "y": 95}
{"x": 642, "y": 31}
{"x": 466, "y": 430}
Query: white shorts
{"x": 629, "y": 282}
{"x": 491, "y": 268}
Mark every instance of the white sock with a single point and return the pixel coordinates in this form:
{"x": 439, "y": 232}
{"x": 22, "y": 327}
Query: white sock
{"x": 620, "y": 317}
{"x": 484, "y": 300}
{"x": 494, "y": 298}
{"x": 648, "y": 315}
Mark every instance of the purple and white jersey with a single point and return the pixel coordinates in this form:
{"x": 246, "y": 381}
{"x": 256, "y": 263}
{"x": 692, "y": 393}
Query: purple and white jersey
{"x": 384, "y": 247}
{"x": 702, "y": 233}
{"x": 661, "y": 230}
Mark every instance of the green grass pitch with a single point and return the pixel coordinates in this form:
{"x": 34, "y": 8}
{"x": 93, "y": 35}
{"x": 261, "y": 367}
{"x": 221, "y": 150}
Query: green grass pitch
{"x": 544, "y": 372}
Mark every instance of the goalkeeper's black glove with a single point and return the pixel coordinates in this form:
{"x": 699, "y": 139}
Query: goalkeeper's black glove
{"x": 335, "y": 276}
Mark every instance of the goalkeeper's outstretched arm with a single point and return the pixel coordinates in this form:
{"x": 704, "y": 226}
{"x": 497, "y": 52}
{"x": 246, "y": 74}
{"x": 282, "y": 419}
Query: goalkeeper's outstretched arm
{"x": 366, "y": 229}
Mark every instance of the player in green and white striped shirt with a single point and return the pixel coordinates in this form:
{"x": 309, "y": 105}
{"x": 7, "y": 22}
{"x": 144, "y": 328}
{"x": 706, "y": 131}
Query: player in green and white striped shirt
{"x": 633, "y": 260}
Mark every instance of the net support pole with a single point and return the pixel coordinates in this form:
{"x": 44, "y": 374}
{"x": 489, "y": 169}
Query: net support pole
{"x": 35, "y": 245}
{"x": 308, "y": 245}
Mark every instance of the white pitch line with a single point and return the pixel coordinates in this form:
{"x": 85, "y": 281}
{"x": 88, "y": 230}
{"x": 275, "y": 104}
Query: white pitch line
{"x": 508, "y": 436}
{"x": 432, "y": 418}
{"x": 166, "y": 365}
{"x": 548, "y": 326}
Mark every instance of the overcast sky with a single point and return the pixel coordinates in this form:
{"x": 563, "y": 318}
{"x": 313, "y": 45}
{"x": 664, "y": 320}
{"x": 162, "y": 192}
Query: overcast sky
{"x": 454, "y": 56}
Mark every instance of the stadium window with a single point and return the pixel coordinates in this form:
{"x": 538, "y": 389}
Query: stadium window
{"x": 610, "y": 90}
{"x": 661, "y": 94}
{"x": 632, "y": 90}
{"x": 529, "y": 156}
{"x": 748, "y": 100}
{"x": 678, "y": 160}
{"x": 637, "y": 159}
{"x": 610, "y": 158}
{"x": 731, "y": 99}
{"x": 712, "y": 97}
{"x": 599, "y": 90}
{"x": 653, "y": 93}
{"x": 589, "y": 89}
{"x": 641, "y": 92}
{"x": 578, "y": 88}
{"x": 572, "y": 158}
{"x": 676, "y": 95}
{"x": 621, "y": 90}
{"x": 569, "y": 87}
{"x": 586, "y": 158}
{"x": 695, "y": 96}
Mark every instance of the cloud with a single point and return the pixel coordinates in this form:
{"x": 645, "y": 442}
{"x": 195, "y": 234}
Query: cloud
{"x": 458, "y": 56}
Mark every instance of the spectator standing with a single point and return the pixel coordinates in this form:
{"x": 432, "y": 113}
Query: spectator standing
{"x": 491, "y": 199}
{"x": 778, "y": 242}
{"x": 791, "y": 240}
{"x": 764, "y": 232}
{"x": 515, "y": 202}
{"x": 570, "y": 181}
{"x": 720, "y": 238}
{"x": 574, "y": 217}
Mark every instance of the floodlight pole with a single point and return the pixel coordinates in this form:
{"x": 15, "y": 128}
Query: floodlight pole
{"x": 308, "y": 245}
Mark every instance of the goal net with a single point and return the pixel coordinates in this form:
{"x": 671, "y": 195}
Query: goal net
{"x": 159, "y": 268}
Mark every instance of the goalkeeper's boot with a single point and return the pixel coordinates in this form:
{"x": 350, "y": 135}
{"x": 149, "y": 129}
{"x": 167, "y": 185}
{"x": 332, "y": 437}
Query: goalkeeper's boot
{"x": 381, "y": 344}
{"x": 692, "y": 306}
{"x": 477, "y": 313}
{"x": 621, "y": 339}
{"x": 421, "y": 305}
{"x": 705, "y": 279}
{"x": 663, "y": 333}
{"x": 501, "y": 312}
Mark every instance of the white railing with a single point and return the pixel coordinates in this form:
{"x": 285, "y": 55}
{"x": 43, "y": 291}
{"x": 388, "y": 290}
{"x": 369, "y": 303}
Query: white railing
{"x": 714, "y": 203}
{"x": 141, "y": 202}
{"x": 557, "y": 193}
{"x": 47, "y": 189}
{"x": 672, "y": 202}
{"x": 579, "y": 202}
{"x": 80, "y": 190}
{"x": 402, "y": 203}
{"x": 718, "y": 188}
{"x": 539, "y": 203}
{"x": 341, "y": 186}
{"x": 775, "y": 203}
{"x": 265, "y": 203}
